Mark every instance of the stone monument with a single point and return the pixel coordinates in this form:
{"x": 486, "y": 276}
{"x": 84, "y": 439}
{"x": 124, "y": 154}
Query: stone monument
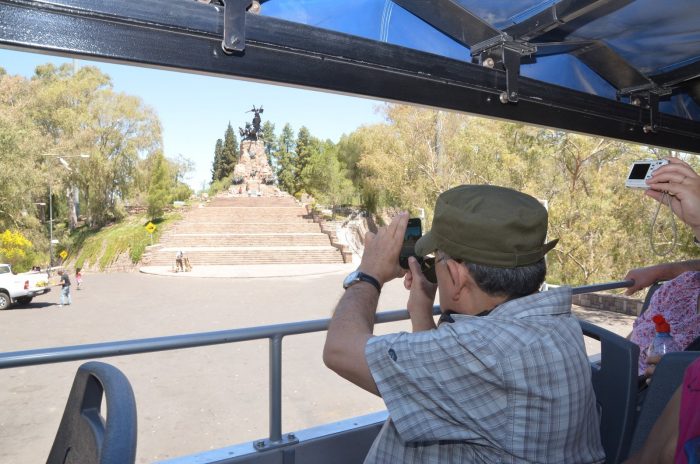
{"x": 253, "y": 169}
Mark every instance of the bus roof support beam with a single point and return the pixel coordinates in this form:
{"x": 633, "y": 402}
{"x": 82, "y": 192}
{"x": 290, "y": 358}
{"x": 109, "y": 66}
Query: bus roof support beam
{"x": 187, "y": 36}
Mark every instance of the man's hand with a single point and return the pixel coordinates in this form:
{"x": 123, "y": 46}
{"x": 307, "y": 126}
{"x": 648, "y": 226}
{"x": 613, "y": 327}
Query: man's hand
{"x": 683, "y": 186}
{"x": 381, "y": 256}
{"x": 421, "y": 297}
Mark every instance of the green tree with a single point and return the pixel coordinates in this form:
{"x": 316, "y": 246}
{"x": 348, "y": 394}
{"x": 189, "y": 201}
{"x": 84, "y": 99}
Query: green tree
{"x": 306, "y": 147}
{"x": 77, "y": 112}
{"x": 217, "y": 166}
{"x": 327, "y": 179}
{"x": 22, "y": 183}
{"x": 406, "y": 162}
{"x": 270, "y": 139}
{"x": 159, "y": 191}
{"x": 229, "y": 152}
{"x": 286, "y": 166}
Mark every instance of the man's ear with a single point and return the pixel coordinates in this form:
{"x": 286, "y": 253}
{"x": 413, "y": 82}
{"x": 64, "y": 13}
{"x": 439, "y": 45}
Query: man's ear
{"x": 459, "y": 277}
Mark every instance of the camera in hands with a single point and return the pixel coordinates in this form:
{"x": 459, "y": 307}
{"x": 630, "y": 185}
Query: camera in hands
{"x": 642, "y": 170}
{"x": 414, "y": 231}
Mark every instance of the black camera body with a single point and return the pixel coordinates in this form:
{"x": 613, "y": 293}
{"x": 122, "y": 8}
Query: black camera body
{"x": 414, "y": 231}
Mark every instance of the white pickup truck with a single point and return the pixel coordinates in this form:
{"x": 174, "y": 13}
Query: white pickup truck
{"x": 21, "y": 288}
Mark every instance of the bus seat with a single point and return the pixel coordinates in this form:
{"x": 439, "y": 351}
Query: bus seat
{"x": 84, "y": 436}
{"x": 668, "y": 376}
{"x": 615, "y": 385}
{"x": 652, "y": 288}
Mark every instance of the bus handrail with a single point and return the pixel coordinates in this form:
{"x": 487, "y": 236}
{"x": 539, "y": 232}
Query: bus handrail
{"x": 274, "y": 333}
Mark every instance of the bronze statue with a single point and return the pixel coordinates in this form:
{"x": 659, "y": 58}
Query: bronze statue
{"x": 252, "y": 131}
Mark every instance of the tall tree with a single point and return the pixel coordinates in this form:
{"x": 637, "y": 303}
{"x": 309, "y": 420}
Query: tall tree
{"x": 77, "y": 112}
{"x": 327, "y": 178}
{"x": 159, "y": 191}
{"x": 270, "y": 140}
{"x": 307, "y": 147}
{"x": 217, "y": 166}
{"x": 286, "y": 169}
{"x": 22, "y": 182}
{"x": 229, "y": 152}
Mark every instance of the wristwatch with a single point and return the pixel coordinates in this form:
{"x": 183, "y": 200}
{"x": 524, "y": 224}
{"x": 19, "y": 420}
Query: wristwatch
{"x": 358, "y": 276}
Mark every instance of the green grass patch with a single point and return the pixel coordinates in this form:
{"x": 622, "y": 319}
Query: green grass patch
{"x": 104, "y": 246}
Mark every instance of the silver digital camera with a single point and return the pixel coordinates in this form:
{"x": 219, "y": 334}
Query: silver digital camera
{"x": 642, "y": 170}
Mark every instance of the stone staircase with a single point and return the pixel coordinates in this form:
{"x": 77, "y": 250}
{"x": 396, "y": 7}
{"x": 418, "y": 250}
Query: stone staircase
{"x": 245, "y": 231}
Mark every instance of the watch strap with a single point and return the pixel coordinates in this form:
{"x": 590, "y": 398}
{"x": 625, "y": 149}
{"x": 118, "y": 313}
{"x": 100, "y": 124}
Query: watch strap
{"x": 361, "y": 276}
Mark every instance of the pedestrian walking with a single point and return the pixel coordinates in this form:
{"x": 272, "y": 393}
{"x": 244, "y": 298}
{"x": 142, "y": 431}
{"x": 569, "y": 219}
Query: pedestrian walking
{"x": 65, "y": 288}
{"x": 79, "y": 277}
{"x": 178, "y": 261}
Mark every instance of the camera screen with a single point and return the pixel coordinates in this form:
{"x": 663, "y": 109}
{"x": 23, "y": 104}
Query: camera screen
{"x": 413, "y": 233}
{"x": 639, "y": 171}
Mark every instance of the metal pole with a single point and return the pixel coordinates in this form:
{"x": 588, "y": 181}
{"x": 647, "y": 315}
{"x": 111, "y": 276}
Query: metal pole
{"x": 276, "y": 389}
{"x": 50, "y": 223}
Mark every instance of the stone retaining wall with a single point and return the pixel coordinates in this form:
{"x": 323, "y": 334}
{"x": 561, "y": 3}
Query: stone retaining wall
{"x": 609, "y": 302}
{"x": 329, "y": 228}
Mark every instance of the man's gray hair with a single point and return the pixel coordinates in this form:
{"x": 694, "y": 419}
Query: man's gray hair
{"x": 514, "y": 282}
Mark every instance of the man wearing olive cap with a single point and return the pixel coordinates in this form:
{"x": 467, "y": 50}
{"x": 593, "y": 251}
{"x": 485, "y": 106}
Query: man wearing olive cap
{"x": 505, "y": 377}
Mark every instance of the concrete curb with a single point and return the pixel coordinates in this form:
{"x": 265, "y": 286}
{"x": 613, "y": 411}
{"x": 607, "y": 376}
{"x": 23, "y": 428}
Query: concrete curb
{"x": 252, "y": 271}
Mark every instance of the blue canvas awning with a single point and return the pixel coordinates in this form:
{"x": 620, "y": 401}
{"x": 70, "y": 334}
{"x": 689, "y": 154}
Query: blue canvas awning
{"x": 660, "y": 40}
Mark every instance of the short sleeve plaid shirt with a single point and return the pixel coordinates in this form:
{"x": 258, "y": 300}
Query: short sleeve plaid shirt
{"x": 510, "y": 387}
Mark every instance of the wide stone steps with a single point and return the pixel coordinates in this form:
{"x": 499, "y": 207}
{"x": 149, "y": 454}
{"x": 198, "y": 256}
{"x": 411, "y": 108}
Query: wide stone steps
{"x": 246, "y": 231}
{"x": 249, "y": 255}
{"x": 242, "y": 228}
{"x": 251, "y": 210}
{"x": 253, "y": 202}
{"x": 248, "y": 219}
{"x": 249, "y": 240}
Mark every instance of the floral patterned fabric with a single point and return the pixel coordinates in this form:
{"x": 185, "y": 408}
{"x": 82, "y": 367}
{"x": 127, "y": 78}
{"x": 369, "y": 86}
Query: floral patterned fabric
{"x": 677, "y": 301}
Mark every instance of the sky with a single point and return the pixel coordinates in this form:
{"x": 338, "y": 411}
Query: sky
{"x": 194, "y": 110}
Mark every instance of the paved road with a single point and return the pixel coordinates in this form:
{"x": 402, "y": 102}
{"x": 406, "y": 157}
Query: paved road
{"x": 188, "y": 400}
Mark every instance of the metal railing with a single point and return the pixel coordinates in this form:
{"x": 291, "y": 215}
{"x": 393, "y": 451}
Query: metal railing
{"x": 274, "y": 333}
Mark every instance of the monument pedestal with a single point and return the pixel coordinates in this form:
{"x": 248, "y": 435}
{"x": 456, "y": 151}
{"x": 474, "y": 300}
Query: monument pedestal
{"x": 253, "y": 169}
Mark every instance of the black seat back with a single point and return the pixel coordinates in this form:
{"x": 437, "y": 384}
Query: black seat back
{"x": 83, "y": 436}
{"x": 667, "y": 377}
{"x": 652, "y": 289}
{"x": 615, "y": 385}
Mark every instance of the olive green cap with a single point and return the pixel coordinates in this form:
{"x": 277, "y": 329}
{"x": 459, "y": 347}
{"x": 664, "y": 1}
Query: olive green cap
{"x": 485, "y": 224}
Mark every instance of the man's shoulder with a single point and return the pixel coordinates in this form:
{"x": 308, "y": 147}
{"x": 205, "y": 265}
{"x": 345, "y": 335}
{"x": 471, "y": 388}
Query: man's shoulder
{"x": 552, "y": 302}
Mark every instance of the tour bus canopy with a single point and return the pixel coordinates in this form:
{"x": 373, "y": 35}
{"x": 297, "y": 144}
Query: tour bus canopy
{"x": 627, "y": 69}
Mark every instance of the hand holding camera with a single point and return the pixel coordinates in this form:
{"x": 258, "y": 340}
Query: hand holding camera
{"x": 682, "y": 184}
{"x": 381, "y": 249}
{"x": 414, "y": 231}
{"x": 641, "y": 171}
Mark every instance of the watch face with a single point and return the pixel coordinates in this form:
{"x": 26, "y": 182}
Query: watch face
{"x": 350, "y": 279}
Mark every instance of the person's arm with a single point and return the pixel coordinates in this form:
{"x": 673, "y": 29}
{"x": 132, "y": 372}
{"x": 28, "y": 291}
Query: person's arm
{"x": 421, "y": 297}
{"x": 646, "y": 276}
{"x": 352, "y": 323}
{"x": 351, "y": 327}
{"x": 682, "y": 187}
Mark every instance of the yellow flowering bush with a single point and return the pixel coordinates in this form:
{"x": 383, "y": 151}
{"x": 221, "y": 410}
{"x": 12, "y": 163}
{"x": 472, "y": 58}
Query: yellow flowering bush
{"x": 15, "y": 250}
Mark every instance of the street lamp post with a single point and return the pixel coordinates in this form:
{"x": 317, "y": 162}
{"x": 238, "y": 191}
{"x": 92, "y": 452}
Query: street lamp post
{"x": 63, "y": 163}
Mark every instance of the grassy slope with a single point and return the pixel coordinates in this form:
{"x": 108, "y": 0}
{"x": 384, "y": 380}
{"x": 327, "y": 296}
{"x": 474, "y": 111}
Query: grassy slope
{"x": 99, "y": 249}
